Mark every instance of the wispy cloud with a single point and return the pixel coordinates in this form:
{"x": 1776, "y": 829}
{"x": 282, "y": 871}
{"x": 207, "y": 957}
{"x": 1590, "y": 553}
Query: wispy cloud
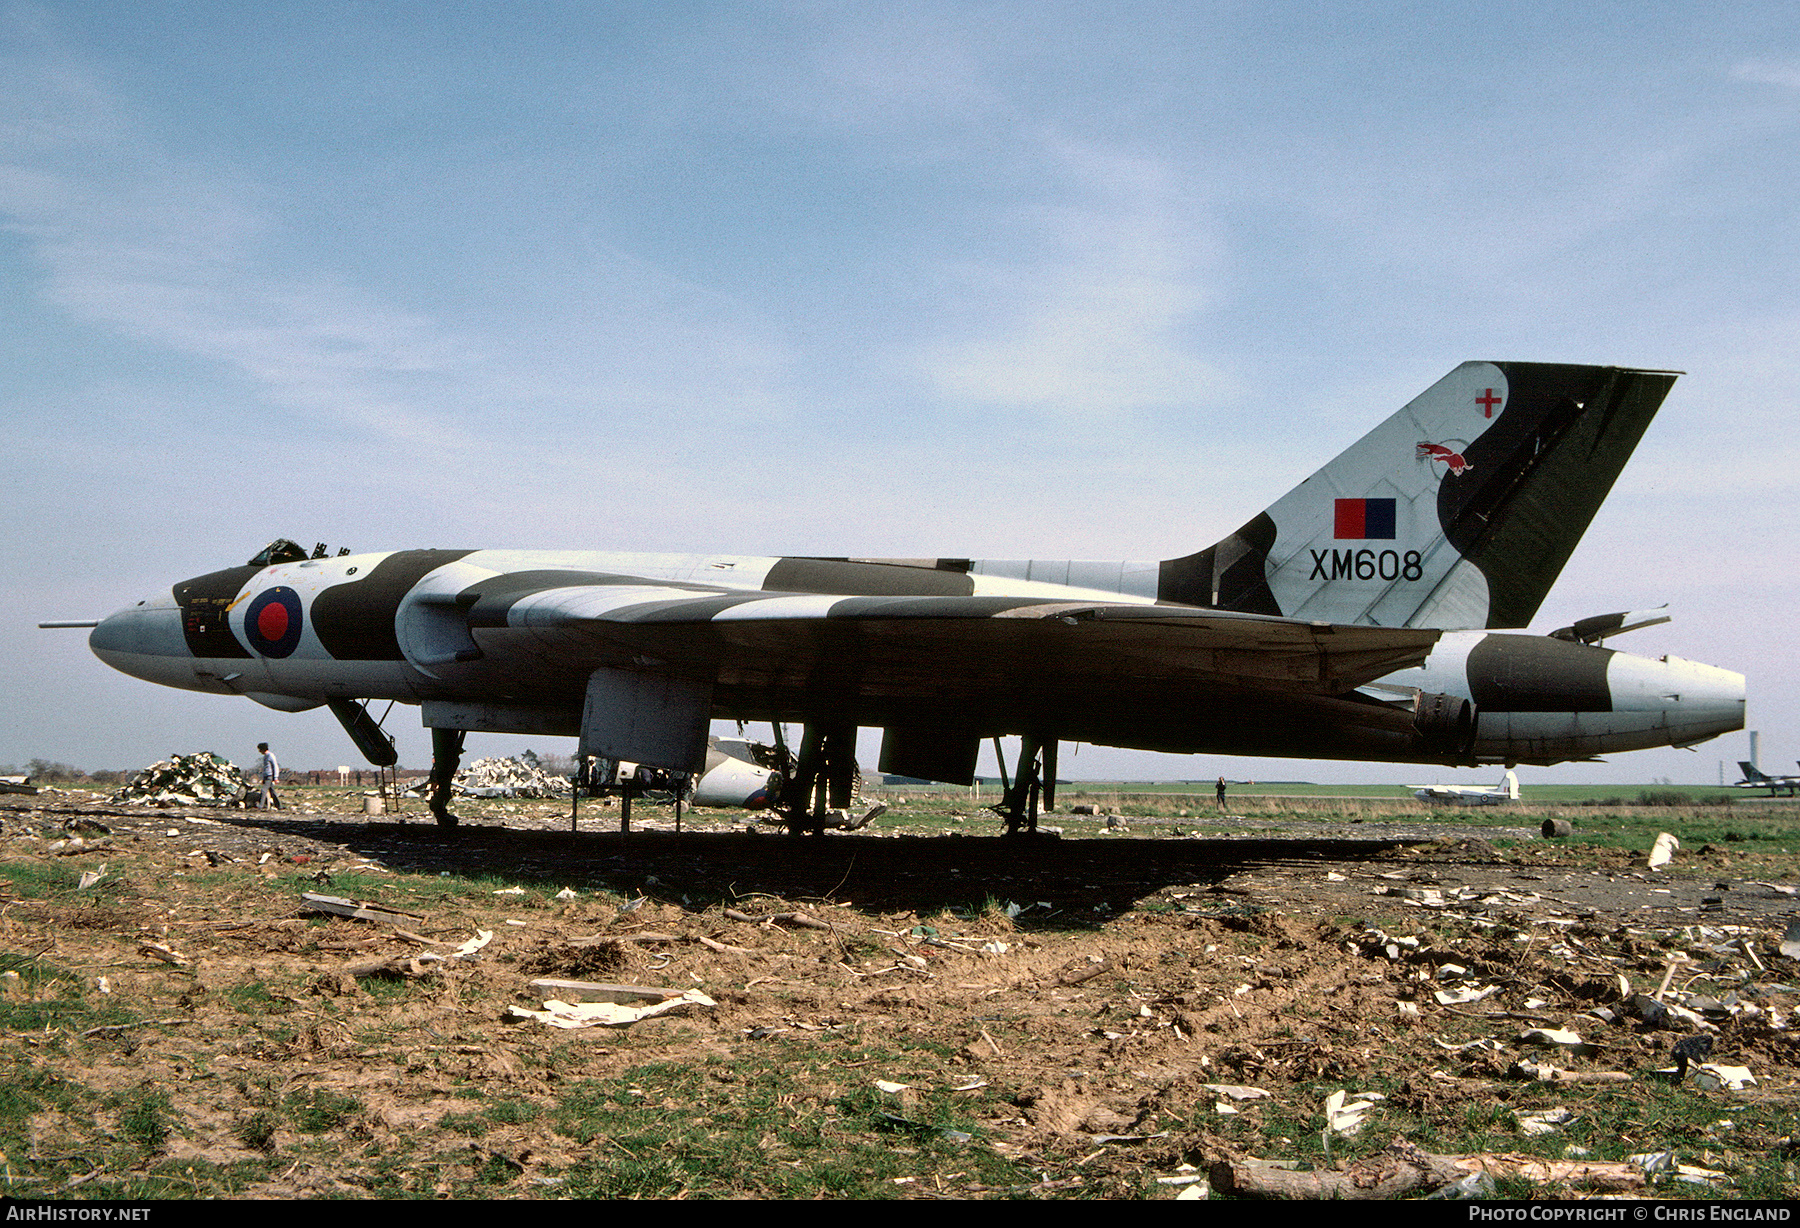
{"x": 1101, "y": 322}
{"x": 132, "y": 238}
{"x": 1096, "y": 268}
{"x": 1769, "y": 72}
{"x": 902, "y": 68}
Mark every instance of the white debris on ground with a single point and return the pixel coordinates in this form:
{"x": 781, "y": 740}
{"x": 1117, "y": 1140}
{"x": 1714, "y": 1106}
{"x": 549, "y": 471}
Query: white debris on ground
{"x": 560, "y": 1014}
{"x": 199, "y": 779}
{"x": 1545, "y": 1121}
{"x": 1711, "y": 983}
{"x": 1346, "y": 1116}
{"x": 519, "y": 776}
{"x": 1645, "y": 991}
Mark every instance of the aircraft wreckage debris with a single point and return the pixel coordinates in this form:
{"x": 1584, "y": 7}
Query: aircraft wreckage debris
{"x": 611, "y": 1014}
{"x": 361, "y": 910}
{"x": 519, "y": 776}
{"x": 199, "y": 779}
{"x": 426, "y": 963}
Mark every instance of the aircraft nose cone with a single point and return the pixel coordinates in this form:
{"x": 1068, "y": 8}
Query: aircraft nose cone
{"x": 145, "y": 641}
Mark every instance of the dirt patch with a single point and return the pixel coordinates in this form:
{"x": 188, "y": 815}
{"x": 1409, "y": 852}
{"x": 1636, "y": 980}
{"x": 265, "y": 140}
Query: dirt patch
{"x": 1065, "y": 1016}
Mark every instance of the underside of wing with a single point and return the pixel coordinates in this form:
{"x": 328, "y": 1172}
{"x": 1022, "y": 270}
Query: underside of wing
{"x": 554, "y": 652}
{"x": 960, "y": 645}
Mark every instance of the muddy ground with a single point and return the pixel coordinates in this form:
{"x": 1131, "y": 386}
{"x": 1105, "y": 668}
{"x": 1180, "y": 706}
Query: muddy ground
{"x": 1062, "y": 1011}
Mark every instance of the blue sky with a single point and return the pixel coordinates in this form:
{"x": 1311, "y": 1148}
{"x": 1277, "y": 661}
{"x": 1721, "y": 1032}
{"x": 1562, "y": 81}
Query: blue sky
{"x": 990, "y": 280}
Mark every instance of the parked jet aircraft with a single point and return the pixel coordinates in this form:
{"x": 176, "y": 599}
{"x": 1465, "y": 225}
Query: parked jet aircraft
{"x": 1778, "y": 786}
{"x": 1471, "y": 795}
{"x": 1353, "y": 619}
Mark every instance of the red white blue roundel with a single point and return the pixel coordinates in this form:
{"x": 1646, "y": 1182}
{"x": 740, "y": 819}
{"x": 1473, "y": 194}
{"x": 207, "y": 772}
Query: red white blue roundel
{"x": 272, "y": 622}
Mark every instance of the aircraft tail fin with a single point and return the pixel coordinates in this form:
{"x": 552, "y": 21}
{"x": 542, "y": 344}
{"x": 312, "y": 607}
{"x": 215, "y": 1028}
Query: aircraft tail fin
{"x": 1749, "y": 770}
{"x": 1457, "y": 512}
{"x": 1510, "y": 783}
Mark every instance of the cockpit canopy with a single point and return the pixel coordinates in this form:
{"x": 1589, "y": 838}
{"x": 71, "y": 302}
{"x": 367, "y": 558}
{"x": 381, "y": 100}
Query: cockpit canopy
{"x": 281, "y": 550}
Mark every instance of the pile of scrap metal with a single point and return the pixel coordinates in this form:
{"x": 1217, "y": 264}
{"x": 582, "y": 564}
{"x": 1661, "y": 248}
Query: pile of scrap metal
{"x": 199, "y": 779}
{"x": 516, "y": 777}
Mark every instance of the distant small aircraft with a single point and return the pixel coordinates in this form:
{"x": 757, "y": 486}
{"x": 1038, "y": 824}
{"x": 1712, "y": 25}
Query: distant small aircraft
{"x": 1778, "y": 786}
{"x": 1471, "y": 795}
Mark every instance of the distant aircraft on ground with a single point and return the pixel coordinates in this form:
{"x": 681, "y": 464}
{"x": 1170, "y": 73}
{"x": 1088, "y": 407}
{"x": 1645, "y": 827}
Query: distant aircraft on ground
{"x": 1471, "y": 795}
{"x": 1778, "y": 786}
{"x": 1353, "y": 619}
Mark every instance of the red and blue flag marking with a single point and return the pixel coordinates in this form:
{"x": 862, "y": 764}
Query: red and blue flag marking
{"x": 1365, "y": 519}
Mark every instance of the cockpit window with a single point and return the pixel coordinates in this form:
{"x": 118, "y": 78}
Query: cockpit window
{"x": 281, "y": 550}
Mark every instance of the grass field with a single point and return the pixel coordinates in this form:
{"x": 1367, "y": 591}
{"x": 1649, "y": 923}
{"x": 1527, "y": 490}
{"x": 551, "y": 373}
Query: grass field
{"x": 184, "y": 1027}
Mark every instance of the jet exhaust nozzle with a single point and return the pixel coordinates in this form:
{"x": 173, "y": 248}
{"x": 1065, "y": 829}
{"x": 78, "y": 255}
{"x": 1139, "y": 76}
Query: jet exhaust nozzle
{"x": 1445, "y": 723}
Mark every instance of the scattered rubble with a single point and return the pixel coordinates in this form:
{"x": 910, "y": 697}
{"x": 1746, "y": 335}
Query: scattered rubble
{"x": 199, "y": 779}
{"x": 519, "y": 776}
{"x": 1545, "y": 1121}
{"x": 832, "y": 820}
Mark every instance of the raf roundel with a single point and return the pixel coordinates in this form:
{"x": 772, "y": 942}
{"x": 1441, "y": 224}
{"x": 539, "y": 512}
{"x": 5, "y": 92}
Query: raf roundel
{"x": 272, "y": 622}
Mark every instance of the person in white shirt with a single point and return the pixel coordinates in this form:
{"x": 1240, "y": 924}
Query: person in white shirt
{"x": 271, "y": 772}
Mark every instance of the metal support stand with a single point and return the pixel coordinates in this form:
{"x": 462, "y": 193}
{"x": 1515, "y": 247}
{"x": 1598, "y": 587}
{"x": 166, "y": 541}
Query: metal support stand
{"x": 387, "y": 788}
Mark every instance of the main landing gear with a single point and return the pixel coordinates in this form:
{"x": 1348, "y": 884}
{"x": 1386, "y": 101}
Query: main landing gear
{"x": 822, "y": 778}
{"x": 446, "y": 756}
{"x": 1035, "y": 777}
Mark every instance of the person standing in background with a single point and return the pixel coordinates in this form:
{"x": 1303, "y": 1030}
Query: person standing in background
{"x": 271, "y": 772}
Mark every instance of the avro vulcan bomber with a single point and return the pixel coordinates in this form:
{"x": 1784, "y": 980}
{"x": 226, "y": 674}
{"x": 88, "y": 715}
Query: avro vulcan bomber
{"x": 1359, "y": 617}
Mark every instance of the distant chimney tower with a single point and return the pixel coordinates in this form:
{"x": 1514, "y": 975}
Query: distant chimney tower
{"x": 1754, "y": 761}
